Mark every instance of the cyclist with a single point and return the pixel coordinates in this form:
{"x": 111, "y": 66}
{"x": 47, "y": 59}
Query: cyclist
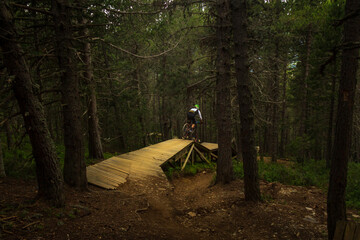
{"x": 192, "y": 113}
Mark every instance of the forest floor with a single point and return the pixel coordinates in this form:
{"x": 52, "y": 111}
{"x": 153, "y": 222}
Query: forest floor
{"x": 185, "y": 208}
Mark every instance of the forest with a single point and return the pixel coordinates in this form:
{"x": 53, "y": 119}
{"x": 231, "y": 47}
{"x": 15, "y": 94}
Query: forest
{"x": 276, "y": 82}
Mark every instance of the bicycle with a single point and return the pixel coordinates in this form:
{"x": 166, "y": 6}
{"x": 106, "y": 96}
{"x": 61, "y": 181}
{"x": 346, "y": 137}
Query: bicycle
{"x": 189, "y": 131}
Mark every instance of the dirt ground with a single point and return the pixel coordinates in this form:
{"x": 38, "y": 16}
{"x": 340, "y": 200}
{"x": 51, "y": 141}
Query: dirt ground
{"x": 185, "y": 208}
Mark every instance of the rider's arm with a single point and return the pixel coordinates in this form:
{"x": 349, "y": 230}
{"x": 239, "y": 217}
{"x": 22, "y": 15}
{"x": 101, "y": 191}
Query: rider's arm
{"x": 200, "y": 115}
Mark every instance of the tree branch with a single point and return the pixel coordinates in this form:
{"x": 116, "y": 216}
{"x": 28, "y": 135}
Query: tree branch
{"x": 32, "y": 9}
{"x": 135, "y": 55}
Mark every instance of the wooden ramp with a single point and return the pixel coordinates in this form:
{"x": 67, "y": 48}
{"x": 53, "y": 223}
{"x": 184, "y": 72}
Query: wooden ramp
{"x": 110, "y": 173}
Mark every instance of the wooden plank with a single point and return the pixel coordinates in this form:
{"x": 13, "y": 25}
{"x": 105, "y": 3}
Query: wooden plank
{"x": 97, "y": 180}
{"x": 104, "y": 173}
{"x": 339, "y": 230}
{"x": 357, "y": 232}
{"x": 210, "y": 146}
{"x": 187, "y": 158}
{"x": 349, "y": 231}
{"x": 140, "y": 163}
{"x": 111, "y": 170}
{"x": 138, "y": 158}
{"x": 201, "y": 155}
{"x": 114, "y": 166}
{"x": 120, "y": 163}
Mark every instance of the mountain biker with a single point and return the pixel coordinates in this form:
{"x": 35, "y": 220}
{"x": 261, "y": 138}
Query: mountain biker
{"x": 192, "y": 113}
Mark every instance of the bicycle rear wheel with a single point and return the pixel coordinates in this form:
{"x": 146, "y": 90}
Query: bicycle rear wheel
{"x": 185, "y": 131}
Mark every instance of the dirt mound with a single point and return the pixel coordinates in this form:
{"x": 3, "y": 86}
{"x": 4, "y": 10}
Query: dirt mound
{"x": 186, "y": 208}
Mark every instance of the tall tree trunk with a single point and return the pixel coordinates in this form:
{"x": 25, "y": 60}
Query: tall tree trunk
{"x": 283, "y": 116}
{"x": 224, "y": 171}
{"x": 331, "y": 115}
{"x": 336, "y": 207}
{"x": 2, "y": 167}
{"x": 239, "y": 25}
{"x": 304, "y": 104}
{"x": 274, "y": 114}
{"x": 48, "y": 172}
{"x": 74, "y": 164}
{"x": 9, "y": 137}
{"x": 95, "y": 146}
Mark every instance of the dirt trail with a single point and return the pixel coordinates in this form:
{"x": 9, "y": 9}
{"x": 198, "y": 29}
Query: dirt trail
{"x": 186, "y": 208}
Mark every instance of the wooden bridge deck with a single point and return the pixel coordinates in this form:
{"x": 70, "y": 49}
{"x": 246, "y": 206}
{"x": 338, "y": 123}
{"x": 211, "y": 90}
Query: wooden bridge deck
{"x": 141, "y": 163}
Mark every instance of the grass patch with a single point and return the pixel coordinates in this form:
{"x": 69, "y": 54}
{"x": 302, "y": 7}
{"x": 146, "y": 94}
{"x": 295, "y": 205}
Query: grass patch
{"x": 189, "y": 170}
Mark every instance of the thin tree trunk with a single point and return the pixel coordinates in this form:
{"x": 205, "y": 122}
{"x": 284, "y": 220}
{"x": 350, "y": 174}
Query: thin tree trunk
{"x": 331, "y": 115}
{"x": 239, "y": 25}
{"x": 9, "y": 137}
{"x": 74, "y": 164}
{"x": 304, "y": 105}
{"x": 95, "y": 146}
{"x": 274, "y": 114}
{"x": 48, "y": 172}
{"x": 224, "y": 171}
{"x": 283, "y": 115}
{"x": 2, "y": 167}
{"x": 336, "y": 206}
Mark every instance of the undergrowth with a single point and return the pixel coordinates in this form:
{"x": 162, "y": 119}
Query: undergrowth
{"x": 189, "y": 170}
{"x": 308, "y": 173}
{"x": 20, "y": 163}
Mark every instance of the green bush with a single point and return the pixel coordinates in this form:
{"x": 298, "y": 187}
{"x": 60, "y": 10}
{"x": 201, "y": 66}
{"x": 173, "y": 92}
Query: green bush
{"x": 353, "y": 186}
{"x": 19, "y": 163}
{"x": 309, "y": 173}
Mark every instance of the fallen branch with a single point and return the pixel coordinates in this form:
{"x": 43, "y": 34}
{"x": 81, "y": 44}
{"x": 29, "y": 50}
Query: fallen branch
{"x": 7, "y": 218}
{"x": 141, "y": 210}
{"x": 30, "y": 224}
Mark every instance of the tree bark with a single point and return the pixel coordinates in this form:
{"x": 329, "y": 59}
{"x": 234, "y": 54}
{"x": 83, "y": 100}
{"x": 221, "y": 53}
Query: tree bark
{"x": 336, "y": 206}
{"x": 2, "y": 167}
{"x": 9, "y": 137}
{"x": 283, "y": 116}
{"x": 239, "y": 25}
{"x": 95, "y": 146}
{"x": 224, "y": 169}
{"x": 331, "y": 115}
{"x": 304, "y": 105}
{"x": 50, "y": 182}
{"x": 274, "y": 114}
{"x": 74, "y": 164}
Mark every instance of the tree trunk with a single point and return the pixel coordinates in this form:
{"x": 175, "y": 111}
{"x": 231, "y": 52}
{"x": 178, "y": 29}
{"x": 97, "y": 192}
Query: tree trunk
{"x": 336, "y": 207}
{"x": 274, "y": 115}
{"x": 283, "y": 116}
{"x": 48, "y": 172}
{"x": 2, "y": 167}
{"x": 331, "y": 115}
{"x": 95, "y": 146}
{"x": 304, "y": 105}
{"x": 224, "y": 171}
{"x": 9, "y": 137}
{"x": 74, "y": 164}
{"x": 239, "y": 25}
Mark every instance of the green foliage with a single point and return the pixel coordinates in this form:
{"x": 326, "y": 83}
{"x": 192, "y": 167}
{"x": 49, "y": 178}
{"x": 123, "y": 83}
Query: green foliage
{"x": 189, "y": 170}
{"x": 19, "y": 162}
{"x": 311, "y": 173}
{"x": 238, "y": 169}
{"x": 299, "y": 145}
{"x": 353, "y": 183}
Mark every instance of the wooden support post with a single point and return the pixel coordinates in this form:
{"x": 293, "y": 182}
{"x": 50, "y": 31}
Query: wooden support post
{"x": 214, "y": 155}
{"x": 201, "y": 155}
{"x": 193, "y": 157}
{"x": 187, "y": 158}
